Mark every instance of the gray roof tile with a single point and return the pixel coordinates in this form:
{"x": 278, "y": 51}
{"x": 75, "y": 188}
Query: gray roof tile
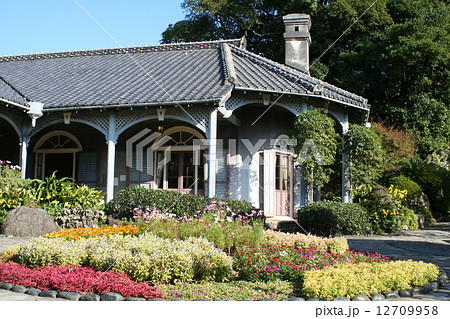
{"x": 150, "y": 74}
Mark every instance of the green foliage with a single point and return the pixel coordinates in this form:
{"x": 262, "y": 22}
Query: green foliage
{"x": 127, "y": 200}
{"x": 420, "y": 171}
{"x": 316, "y": 147}
{"x": 413, "y": 189}
{"x": 408, "y": 219}
{"x": 217, "y": 224}
{"x": 427, "y": 212}
{"x": 12, "y": 198}
{"x": 366, "y": 155}
{"x": 334, "y": 218}
{"x": 396, "y": 54}
{"x": 143, "y": 258}
{"x": 349, "y": 280}
{"x": 439, "y": 194}
{"x": 235, "y": 290}
{"x": 385, "y": 221}
{"x": 54, "y": 194}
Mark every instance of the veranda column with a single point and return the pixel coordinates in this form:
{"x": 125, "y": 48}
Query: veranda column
{"x": 111, "y": 141}
{"x": 23, "y": 154}
{"x": 345, "y": 177}
{"x": 212, "y": 152}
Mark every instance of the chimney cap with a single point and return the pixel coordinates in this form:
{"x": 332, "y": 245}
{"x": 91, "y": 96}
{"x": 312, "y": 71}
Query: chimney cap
{"x": 297, "y": 18}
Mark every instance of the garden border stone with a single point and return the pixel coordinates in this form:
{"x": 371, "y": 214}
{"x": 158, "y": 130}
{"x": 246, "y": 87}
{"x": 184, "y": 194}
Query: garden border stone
{"x": 33, "y": 292}
{"x": 111, "y": 296}
{"x": 73, "y": 296}
{"x": 90, "y": 297}
{"x": 19, "y": 289}
{"x": 48, "y": 293}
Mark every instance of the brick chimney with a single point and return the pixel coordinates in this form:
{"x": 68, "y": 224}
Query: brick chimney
{"x": 297, "y": 40}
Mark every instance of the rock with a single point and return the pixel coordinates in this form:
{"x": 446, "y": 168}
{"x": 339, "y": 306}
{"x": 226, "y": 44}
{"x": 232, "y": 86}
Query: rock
{"x": 417, "y": 291}
{"x": 405, "y": 293}
{"x": 293, "y": 299}
{"x": 19, "y": 289}
{"x": 441, "y": 282}
{"x": 316, "y": 299}
{"x": 420, "y": 220}
{"x": 135, "y": 299}
{"x": 111, "y": 296}
{"x": 378, "y": 297}
{"x": 360, "y": 298}
{"x": 427, "y": 288}
{"x": 33, "y": 292}
{"x": 391, "y": 295}
{"x": 434, "y": 285}
{"x": 89, "y": 297}
{"x": 198, "y": 299}
{"x": 6, "y": 286}
{"x": 267, "y": 299}
{"x": 48, "y": 293}
{"x": 179, "y": 299}
{"x": 74, "y": 296}
{"x": 341, "y": 299}
{"x": 28, "y": 222}
{"x": 381, "y": 194}
{"x": 155, "y": 299}
{"x": 112, "y": 221}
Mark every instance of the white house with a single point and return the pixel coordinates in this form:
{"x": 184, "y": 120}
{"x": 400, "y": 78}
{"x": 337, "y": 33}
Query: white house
{"x": 206, "y": 118}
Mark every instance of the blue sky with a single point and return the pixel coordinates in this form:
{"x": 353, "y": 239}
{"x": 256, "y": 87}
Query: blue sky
{"x": 32, "y": 26}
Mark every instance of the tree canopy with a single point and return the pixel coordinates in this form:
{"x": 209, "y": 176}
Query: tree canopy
{"x": 396, "y": 52}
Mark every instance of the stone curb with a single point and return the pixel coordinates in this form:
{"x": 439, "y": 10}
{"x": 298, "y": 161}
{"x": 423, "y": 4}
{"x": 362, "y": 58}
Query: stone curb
{"x": 111, "y": 296}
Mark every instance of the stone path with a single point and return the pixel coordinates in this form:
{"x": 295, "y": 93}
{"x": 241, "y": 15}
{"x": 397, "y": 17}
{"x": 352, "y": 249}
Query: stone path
{"x": 429, "y": 245}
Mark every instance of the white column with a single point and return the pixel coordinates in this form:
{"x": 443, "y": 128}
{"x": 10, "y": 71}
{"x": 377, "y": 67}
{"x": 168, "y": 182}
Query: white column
{"x": 111, "y": 141}
{"x": 23, "y": 155}
{"x": 212, "y": 153}
{"x": 345, "y": 177}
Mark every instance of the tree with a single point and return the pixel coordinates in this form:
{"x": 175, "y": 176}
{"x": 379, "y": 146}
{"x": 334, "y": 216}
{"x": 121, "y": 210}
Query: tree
{"x": 366, "y": 156}
{"x": 316, "y": 147}
{"x": 396, "y": 54}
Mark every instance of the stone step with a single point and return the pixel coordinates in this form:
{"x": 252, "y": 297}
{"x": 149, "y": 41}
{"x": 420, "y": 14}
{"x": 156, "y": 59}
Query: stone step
{"x": 283, "y": 224}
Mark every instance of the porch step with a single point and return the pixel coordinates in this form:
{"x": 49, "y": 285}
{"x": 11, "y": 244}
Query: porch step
{"x": 283, "y": 224}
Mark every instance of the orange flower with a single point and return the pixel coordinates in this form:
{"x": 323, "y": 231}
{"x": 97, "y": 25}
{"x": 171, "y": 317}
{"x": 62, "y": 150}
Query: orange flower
{"x": 77, "y": 233}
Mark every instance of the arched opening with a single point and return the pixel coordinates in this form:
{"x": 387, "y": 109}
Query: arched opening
{"x": 180, "y": 160}
{"x": 9, "y": 143}
{"x": 56, "y": 151}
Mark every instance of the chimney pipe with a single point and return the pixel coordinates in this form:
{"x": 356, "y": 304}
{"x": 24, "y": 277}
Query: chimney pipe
{"x": 297, "y": 40}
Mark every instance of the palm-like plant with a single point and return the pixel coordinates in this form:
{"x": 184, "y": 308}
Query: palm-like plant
{"x": 420, "y": 171}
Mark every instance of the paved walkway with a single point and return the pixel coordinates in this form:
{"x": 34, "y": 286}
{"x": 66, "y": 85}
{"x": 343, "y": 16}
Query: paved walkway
{"x": 429, "y": 245}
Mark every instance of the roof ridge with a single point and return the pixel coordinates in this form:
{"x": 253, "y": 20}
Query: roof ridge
{"x": 120, "y": 50}
{"x": 314, "y": 82}
{"x": 14, "y": 89}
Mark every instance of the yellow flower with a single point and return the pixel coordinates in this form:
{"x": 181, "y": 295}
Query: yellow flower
{"x": 48, "y": 196}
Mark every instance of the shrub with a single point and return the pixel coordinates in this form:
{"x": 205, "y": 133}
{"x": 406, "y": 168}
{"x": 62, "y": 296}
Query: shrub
{"x": 143, "y": 258}
{"x": 385, "y": 221}
{"x": 76, "y": 279}
{"x": 58, "y": 251}
{"x": 269, "y": 263}
{"x": 236, "y": 290}
{"x": 306, "y": 242}
{"x": 12, "y": 198}
{"x": 328, "y": 218}
{"x": 78, "y": 217}
{"x": 148, "y": 257}
{"x": 226, "y": 232}
{"x": 439, "y": 194}
{"x": 131, "y": 198}
{"x": 428, "y": 215}
{"x": 413, "y": 189}
{"x": 408, "y": 219}
{"x": 348, "y": 280}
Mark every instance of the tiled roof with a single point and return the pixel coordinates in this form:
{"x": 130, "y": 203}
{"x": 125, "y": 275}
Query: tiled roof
{"x": 151, "y": 74}
{"x": 256, "y": 72}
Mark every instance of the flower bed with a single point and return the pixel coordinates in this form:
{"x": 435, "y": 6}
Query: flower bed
{"x": 306, "y": 242}
{"x": 143, "y": 258}
{"x": 87, "y": 232}
{"x": 268, "y": 263}
{"x": 76, "y": 279}
{"x": 367, "y": 278}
